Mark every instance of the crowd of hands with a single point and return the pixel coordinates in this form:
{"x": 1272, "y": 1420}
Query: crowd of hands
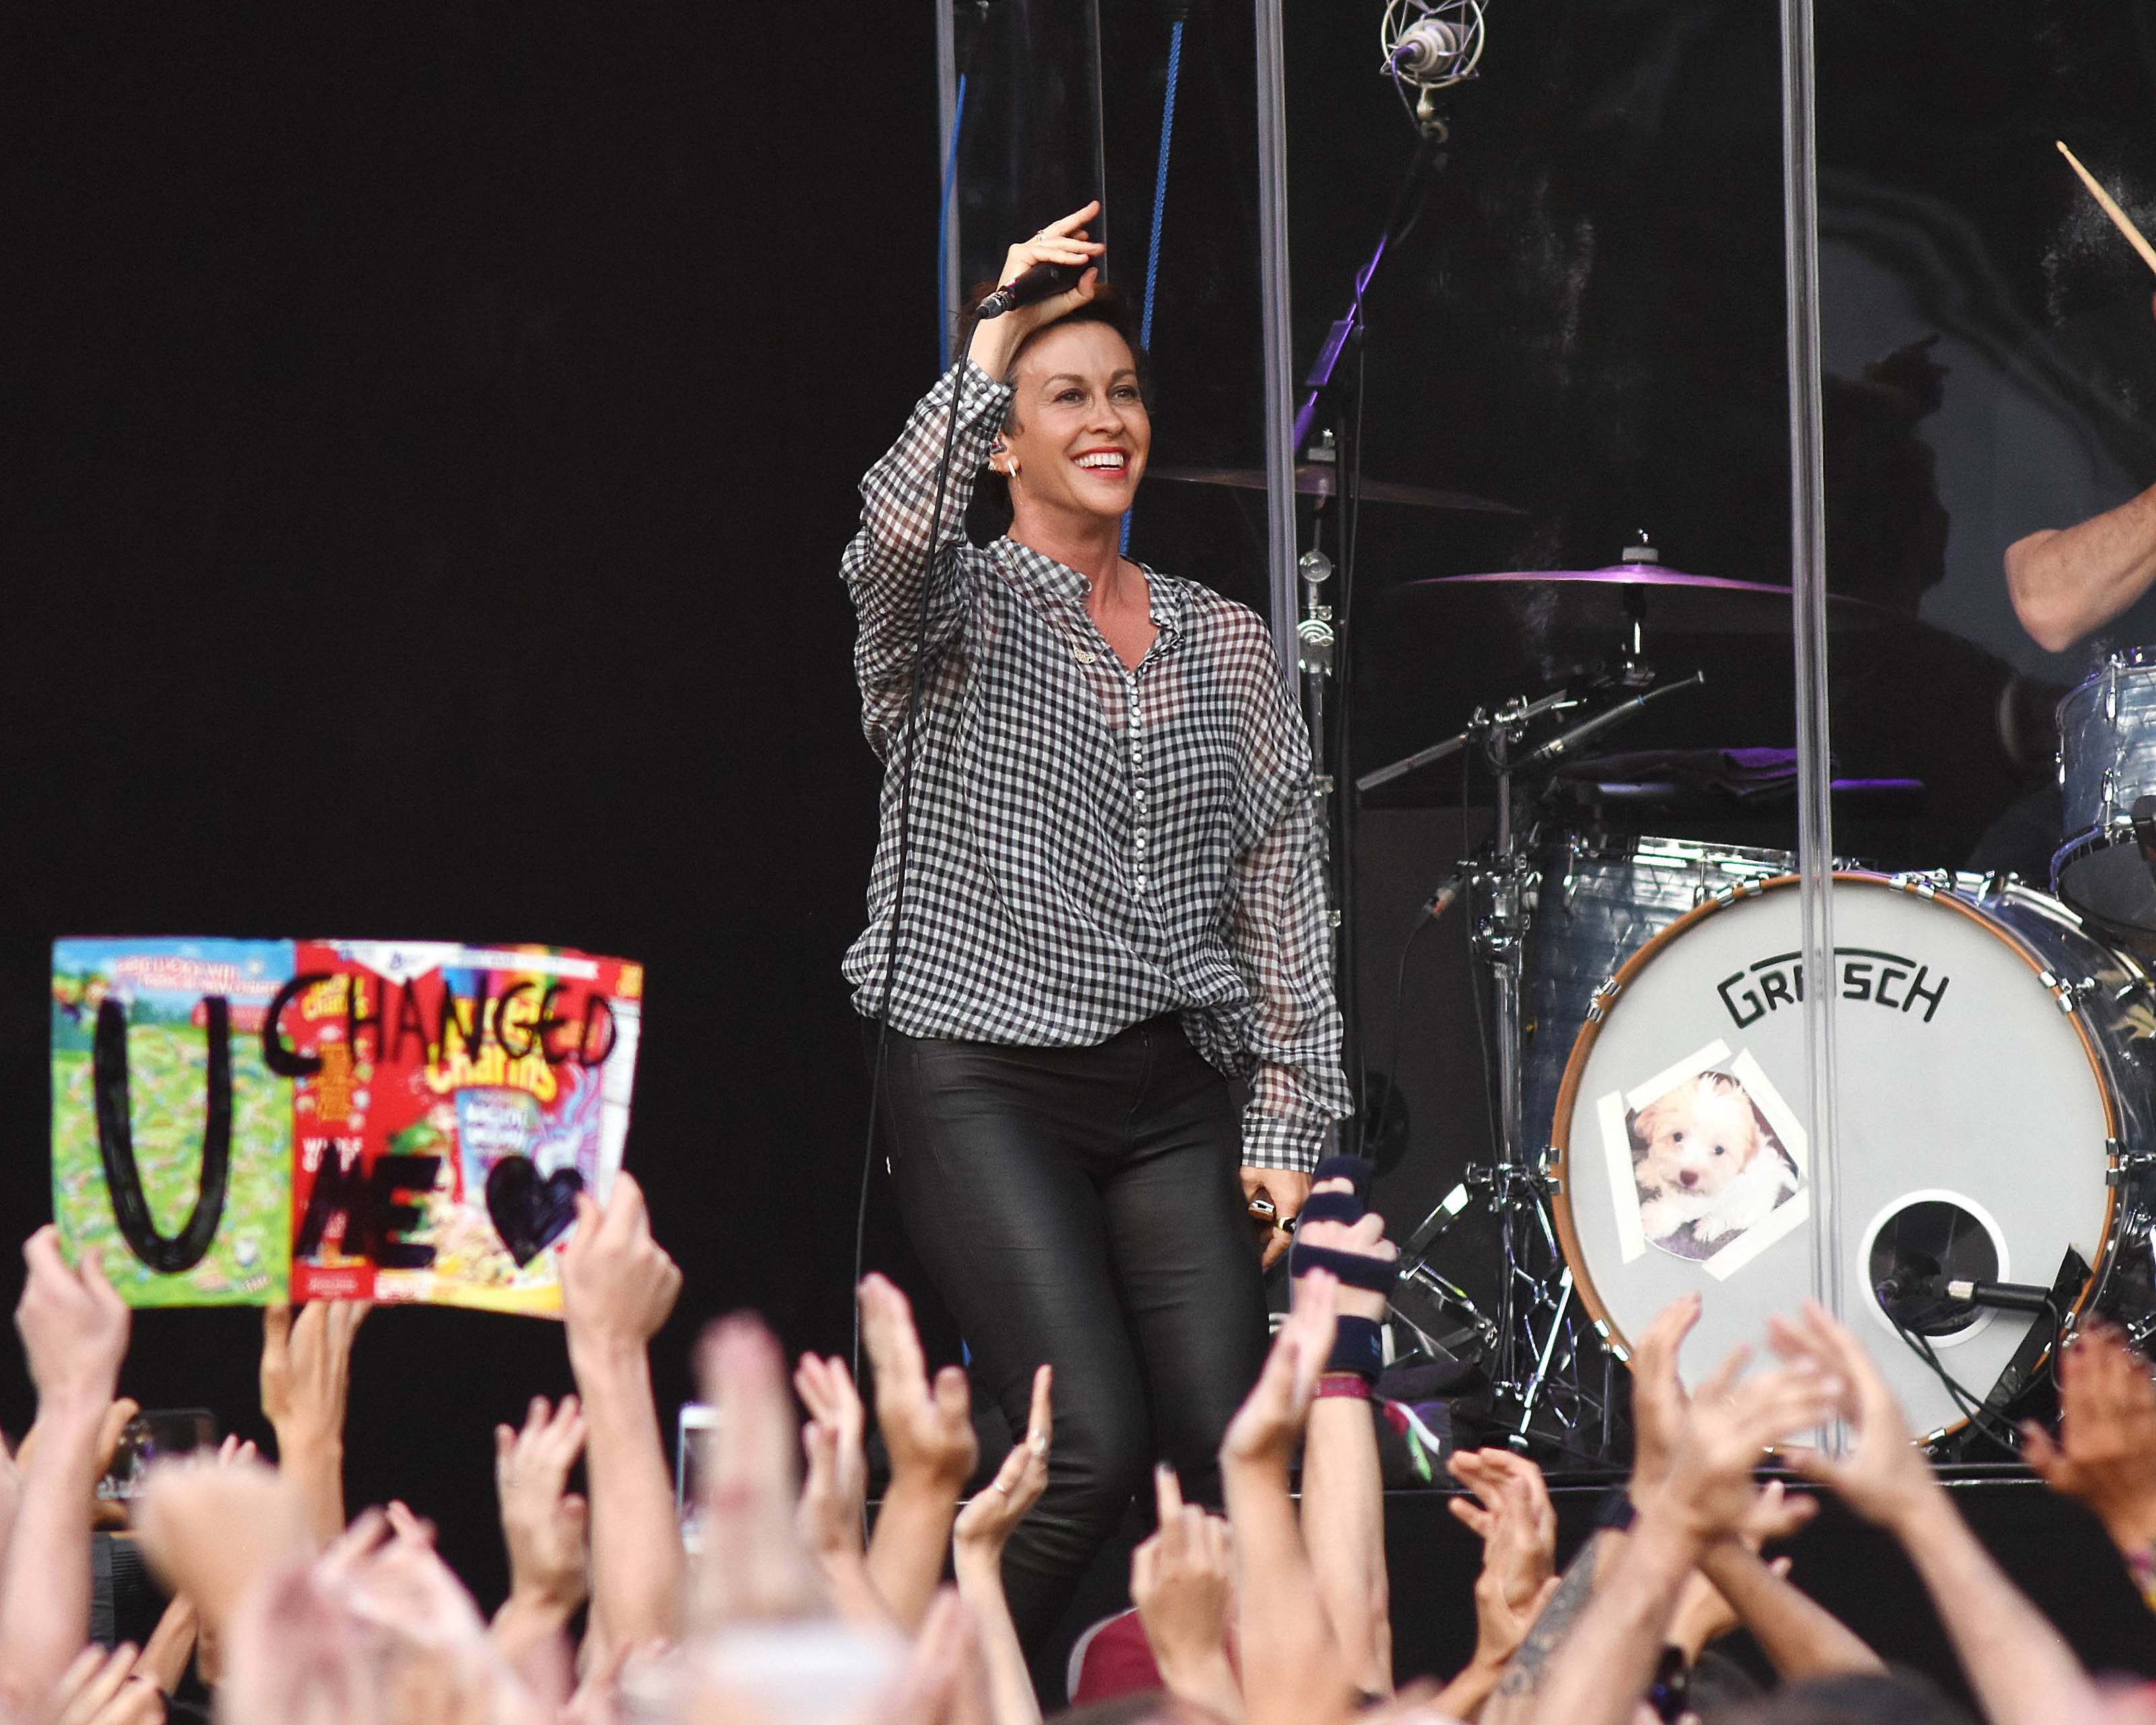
{"x": 790, "y": 1611}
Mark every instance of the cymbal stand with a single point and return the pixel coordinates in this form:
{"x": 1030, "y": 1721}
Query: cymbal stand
{"x": 1535, "y": 1340}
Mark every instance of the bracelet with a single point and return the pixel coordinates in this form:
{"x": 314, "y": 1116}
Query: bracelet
{"x": 1352, "y": 1384}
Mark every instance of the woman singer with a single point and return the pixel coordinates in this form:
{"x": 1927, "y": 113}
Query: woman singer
{"x": 1112, "y": 903}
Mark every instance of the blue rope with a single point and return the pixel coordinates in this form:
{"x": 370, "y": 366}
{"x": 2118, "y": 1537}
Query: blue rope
{"x": 943, "y": 232}
{"x": 1159, "y": 203}
{"x": 1160, "y": 180}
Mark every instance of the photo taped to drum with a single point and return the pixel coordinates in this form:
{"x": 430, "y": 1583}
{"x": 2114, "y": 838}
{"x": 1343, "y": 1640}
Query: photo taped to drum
{"x": 1706, "y": 1162}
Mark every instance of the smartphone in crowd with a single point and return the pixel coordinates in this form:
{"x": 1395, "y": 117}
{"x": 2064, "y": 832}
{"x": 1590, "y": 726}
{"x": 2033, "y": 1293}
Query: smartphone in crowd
{"x": 692, "y": 1444}
{"x": 153, "y": 1435}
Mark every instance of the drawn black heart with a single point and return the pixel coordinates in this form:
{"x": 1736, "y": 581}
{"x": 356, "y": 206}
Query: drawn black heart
{"x": 531, "y": 1213}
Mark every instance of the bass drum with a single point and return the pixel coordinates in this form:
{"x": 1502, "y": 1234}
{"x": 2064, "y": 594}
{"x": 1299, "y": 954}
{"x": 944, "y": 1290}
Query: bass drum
{"x": 1992, "y": 1078}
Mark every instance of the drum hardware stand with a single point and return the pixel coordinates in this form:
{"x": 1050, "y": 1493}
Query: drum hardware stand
{"x": 1533, "y": 1341}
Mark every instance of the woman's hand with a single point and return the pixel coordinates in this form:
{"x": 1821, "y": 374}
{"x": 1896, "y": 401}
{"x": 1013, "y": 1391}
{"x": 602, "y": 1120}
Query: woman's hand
{"x": 1061, "y": 242}
{"x": 1289, "y": 1189}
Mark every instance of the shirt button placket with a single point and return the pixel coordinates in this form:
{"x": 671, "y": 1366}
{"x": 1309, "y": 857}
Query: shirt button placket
{"x": 1137, "y": 781}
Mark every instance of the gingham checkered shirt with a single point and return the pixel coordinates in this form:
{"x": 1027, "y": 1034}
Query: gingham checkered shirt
{"x": 1091, "y": 845}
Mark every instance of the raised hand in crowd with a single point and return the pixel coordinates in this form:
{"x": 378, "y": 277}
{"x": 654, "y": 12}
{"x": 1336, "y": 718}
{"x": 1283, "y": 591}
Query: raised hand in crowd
{"x": 928, "y": 1429}
{"x": 1293, "y": 1669}
{"x": 769, "y": 1645}
{"x": 2019, "y": 1667}
{"x": 216, "y": 1529}
{"x": 618, "y": 1287}
{"x": 835, "y": 1493}
{"x": 74, "y": 1329}
{"x": 1706, "y": 1494}
{"x": 306, "y": 1382}
{"x": 1183, "y": 1583}
{"x": 2105, "y": 1454}
{"x": 546, "y": 1528}
{"x": 1511, "y": 1514}
{"x": 106, "y": 1688}
{"x": 978, "y": 1538}
{"x": 1799, "y": 1636}
{"x": 1343, "y": 1497}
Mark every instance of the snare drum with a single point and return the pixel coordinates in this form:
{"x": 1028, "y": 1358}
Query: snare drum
{"x": 2106, "y": 762}
{"x": 1990, "y": 1083}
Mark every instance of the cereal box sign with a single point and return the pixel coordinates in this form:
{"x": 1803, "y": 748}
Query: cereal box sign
{"x": 236, "y": 1123}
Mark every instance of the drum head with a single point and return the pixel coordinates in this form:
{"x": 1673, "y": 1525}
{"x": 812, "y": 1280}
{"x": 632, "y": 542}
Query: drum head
{"x": 1974, "y": 1124}
{"x": 2103, "y": 874}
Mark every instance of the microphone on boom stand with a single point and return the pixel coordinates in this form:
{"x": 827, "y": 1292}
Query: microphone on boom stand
{"x": 1565, "y": 742}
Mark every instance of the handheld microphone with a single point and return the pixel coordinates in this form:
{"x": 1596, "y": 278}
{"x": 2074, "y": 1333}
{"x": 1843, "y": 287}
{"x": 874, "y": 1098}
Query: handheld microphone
{"x": 2005, "y": 1295}
{"x": 1041, "y": 282}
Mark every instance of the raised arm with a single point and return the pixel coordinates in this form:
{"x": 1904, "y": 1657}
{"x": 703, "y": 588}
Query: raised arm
{"x": 1800, "y": 1637}
{"x": 1605, "y": 1667}
{"x": 1511, "y": 1514}
{"x": 984, "y": 1528}
{"x": 1293, "y": 1669}
{"x": 1183, "y": 1583}
{"x": 928, "y": 1429}
{"x": 307, "y": 1381}
{"x": 618, "y": 1287}
{"x": 2105, "y": 1454}
{"x": 889, "y": 559}
{"x": 2022, "y": 1671}
{"x": 2068, "y": 582}
{"x": 545, "y": 1527}
{"x": 73, "y": 1330}
{"x": 1344, "y": 1498}
{"x": 834, "y": 1493}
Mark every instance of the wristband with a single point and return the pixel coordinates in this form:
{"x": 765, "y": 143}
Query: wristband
{"x": 1345, "y": 1168}
{"x": 1352, "y": 1384}
{"x": 1331, "y": 1207}
{"x": 1617, "y": 1511}
{"x": 1358, "y": 1345}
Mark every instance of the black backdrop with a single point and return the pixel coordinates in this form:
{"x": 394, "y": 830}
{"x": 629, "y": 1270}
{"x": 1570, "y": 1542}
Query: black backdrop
{"x": 430, "y": 433}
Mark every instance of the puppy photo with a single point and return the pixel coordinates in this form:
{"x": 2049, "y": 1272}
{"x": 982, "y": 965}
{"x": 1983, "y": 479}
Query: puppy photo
{"x": 1707, "y": 1166}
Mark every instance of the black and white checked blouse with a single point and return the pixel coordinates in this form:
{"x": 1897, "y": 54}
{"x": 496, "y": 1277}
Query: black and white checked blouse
{"x": 1092, "y": 845}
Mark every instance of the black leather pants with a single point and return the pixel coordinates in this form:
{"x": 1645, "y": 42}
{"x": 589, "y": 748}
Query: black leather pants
{"x": 1080, "y": 1207}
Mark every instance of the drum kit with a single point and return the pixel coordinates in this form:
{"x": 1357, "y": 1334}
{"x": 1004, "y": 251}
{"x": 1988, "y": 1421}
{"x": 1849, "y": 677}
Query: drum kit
{"x": 1640, "y": 996}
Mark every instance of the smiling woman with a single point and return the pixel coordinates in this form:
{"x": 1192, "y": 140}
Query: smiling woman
{"x": 1112, "y": 905}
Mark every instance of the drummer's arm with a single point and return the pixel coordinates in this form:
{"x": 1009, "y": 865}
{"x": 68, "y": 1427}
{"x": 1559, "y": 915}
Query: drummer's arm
{"x": 2067, "y": 582}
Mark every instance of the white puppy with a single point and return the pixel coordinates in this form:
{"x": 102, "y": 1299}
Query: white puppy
{"x": 1700, "y": 1159}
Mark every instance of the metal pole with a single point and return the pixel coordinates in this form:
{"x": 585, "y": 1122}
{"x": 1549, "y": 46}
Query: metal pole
{"x": 1273, "y": 301}
{"x": 1807, "y": 582}
{"x": 946, "y": 103}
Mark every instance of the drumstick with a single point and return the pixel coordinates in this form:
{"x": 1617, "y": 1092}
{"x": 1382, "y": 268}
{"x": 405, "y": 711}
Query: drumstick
{"x": 2110, "y": 208}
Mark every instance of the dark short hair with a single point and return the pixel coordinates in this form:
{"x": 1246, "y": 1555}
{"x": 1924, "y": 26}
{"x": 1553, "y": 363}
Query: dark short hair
{"x": 989, "y": 516}
{"x": 1108, "y": 306}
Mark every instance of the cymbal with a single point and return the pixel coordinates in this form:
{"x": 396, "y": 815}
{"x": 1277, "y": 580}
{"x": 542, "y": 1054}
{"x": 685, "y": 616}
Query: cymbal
{"x": 1547, "y": 603}
{"x": 1909, "y": 700}
{"x": 1321, "y": 479}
